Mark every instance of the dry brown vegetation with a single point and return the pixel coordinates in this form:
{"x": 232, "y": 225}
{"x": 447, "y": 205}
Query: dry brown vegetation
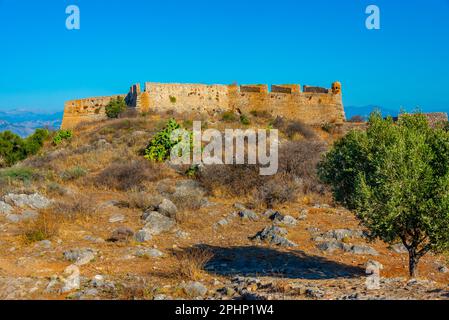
{"x": 190, "y": 263}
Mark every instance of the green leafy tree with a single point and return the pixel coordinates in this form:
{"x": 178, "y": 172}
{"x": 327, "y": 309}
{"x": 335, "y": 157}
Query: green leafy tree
{"x": 115, "y": 107}
{"x": 36, "y": 141}
{"x": 395, "y": 177}
{"x": 12, "y": 148}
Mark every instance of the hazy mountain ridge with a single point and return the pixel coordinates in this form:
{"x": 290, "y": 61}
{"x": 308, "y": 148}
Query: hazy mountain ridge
{"x": 365, "y": 111}
{"x": 24, "y": 123}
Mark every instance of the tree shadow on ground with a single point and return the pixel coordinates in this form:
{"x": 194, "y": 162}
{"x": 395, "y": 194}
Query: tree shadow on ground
{"x": 264, "y": 261}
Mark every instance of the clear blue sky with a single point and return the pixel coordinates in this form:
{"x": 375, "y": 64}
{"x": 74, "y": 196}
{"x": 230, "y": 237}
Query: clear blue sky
{"x": 406, "y": 63}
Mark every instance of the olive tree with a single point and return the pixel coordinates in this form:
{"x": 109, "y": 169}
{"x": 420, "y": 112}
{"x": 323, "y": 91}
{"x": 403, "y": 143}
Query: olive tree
{"x": 395, "y": 178}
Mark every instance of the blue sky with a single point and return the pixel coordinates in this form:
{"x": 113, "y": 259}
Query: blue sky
{"x": 406, "y": 63}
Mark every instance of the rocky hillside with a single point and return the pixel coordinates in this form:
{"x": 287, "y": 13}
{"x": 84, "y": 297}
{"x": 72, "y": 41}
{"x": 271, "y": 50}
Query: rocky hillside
{"x": 92, "y": 219}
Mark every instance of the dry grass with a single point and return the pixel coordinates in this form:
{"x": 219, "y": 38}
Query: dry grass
{"x": 77, "y": 206}
{"x": 129, "y": 175}
{"x": 141, "y": 200}
{"x": 190, "y": 263}
{"x": 299, "y": 159}
{"x": 44, "y": 227}
{"x": 281, "y": 188}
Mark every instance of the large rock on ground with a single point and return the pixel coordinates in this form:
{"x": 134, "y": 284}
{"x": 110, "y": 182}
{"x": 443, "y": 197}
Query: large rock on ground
{"x": 121, "y": 234}
{"x": 167, "y": 208}
{"x": 195, "y": 289}
{"x": 34, "y": 201}
{"x": 80, "y": 256}
{"x": 274, "y": 235}
{"x": 157, "y": 223}
{"x": 5, "y": 208}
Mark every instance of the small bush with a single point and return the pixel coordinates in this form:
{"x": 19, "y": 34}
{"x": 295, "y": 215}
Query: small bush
{"x": 280, "y": 189}
{"x": 61, "y": 136}
{"x": 297, "y": 127}
{"x": 232, "y": 180}
{"x": 260, "y": 114}
{"x": 299, "y": 160}
{"x": 115, "y": 107}
{"x": 128, "y": 176}
{"x": 328, "y": 127}
{"x": 141, "y": 200}
{"x": 161, "y": 145}
{"x": 244, "y": 120}
{"x": 228, "y": 116}
{"x": 73, "y": 173}
{"x": 172, "y": 99}
{"x": 55, "y": 188}
{"x": 75, "y": 207}
{"x": 44, "y": 227}
{"x": 22, "y": 174}
{"x": 191, "y": 262}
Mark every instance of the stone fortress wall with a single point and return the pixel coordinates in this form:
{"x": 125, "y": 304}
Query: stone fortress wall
{"x": 312, "y": 105}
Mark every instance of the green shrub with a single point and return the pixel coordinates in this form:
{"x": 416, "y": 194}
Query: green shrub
{"x": 328, "y": 127}
{"x": 22, "y": 174}
{"x": 161, "y": 145}
{"x": 172, "y": 99}
{"x": 115, "y": 107}
{"x": 62, "y": 135}
{"x": 73, "y": 173}
{"x": 228, "y": 116}
{"x": 395, "y": 177}
{"x": 244, "y": 120}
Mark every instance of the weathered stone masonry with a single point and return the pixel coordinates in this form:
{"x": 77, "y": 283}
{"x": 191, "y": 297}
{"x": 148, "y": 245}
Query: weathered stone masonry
{"x": 313, "y": 105}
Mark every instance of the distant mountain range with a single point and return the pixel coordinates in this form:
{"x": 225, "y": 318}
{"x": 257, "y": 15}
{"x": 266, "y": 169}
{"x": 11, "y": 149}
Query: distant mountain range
{"x": 365, "y": 111}
{"x": 24, "y": 123}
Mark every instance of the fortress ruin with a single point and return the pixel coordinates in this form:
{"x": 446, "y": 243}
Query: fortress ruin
{"x": 311, "y": 105}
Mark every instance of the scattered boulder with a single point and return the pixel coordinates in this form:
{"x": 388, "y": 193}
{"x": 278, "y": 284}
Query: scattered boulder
{"x": 71, "y": 279}
{"x": 239, "y": 206}
{"x": 46, "y": 244}
{"x": 117, "y": 218}
{"x": 303, "y": 214}
{"x": 398, "y": 248}
{"x": 279, "y": 218}
{"x": 5, "y": 208}
{"x": 341, "y": 234}
{"x": 194, "y": 289}
{"x": 143, "y": 235}
{"x": 33, "y": 201}
{"x": 248, "y": 215}
{"x": 223, "y": 222}
{"x": 315, "y": 293}
{"x": 167, "y": 208}
{"x": 443, "y": 269}
{"x": 360, "y": 249}
{"x": 121, "y": 234}
{"x": 80, "y": 256}
{"x": 269, "y": 213}
{"x": 182, "y": 234}
{"x": 157, "y": 223}
{"x": 330, "y": 246}
{"x": 149, "y": 253}
{"x": 274, "y": 235}
{"x": 373, "y": 267}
